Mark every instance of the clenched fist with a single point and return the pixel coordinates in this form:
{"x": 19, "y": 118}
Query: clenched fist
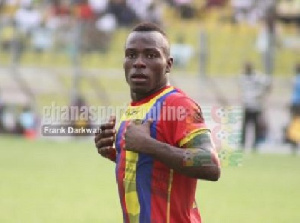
{"x": 104, "y": 140}
{"x": 135, "y": 135}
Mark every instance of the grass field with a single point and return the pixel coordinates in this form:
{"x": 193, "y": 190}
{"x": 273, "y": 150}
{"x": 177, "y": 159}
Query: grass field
{"x": 46, "y": 181}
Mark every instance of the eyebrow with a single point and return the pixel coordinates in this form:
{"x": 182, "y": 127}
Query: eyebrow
{"x": 163, "y": 50}
{"x": 146, "y": 49}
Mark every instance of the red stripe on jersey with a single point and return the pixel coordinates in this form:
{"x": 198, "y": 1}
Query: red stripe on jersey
{"x": 182, "y": 199}
{"x": 159, "y": 188}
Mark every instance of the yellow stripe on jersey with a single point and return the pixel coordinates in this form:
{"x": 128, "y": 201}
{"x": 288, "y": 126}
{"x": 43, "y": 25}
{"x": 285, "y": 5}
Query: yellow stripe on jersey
{"x": 195, "y": 204}
{"x": 191, "y": 135}
{"x": 131, "y": 197}
{"x": 169, "y": 195}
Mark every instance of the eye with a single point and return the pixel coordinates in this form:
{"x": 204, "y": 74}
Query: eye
{"x": 151, "y": 55}
{"x": 131, "y": 55}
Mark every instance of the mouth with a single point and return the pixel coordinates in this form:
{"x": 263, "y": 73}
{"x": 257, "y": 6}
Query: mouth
{"x": 139, "y": 78}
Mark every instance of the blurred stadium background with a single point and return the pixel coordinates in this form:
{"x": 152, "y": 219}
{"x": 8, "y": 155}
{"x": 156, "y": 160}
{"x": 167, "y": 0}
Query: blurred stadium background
{"x": 55, "y": 51}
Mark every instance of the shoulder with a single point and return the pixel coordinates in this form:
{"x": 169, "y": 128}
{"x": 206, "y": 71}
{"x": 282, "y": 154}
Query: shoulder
{"x": 181, "y": 118}
{"x": 179, "y": 98}
{"x": 185, "y": 109}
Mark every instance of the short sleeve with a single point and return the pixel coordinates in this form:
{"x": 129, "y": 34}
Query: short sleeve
{"x": 187, "y": 123}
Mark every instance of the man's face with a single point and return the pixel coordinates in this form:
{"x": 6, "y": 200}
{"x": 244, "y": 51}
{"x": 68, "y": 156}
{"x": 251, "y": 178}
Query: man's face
{"x": 146, "y": 62}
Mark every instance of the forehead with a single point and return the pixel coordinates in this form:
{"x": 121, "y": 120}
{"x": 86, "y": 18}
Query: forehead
{"x": 150, "y": 39}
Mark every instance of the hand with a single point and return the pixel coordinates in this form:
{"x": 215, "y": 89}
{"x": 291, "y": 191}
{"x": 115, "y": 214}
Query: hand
{"x": 136, "y": 134}
{"x": 104, "y": 140}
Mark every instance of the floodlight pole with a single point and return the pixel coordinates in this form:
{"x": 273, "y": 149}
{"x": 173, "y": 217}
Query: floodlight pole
{"x": 76, "y": 60}
{"x": 15, "y": 51}
{"x": 269, "y": 57}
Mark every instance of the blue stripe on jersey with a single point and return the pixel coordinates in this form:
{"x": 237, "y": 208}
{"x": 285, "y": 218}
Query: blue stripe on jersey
{"x": 145, "y": 165}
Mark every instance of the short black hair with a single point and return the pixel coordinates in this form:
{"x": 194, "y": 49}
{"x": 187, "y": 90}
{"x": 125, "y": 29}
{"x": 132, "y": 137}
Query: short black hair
{"x": 152, "y": 27}
{"x": 148, "y": 27}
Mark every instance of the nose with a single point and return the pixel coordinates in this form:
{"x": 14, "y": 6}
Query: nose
{"x": 139, "y": 63}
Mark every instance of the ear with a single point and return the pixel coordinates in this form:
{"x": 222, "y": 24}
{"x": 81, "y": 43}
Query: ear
{"x": 169, "y": 64}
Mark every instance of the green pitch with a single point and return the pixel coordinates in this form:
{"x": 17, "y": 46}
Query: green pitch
{"x": 47, "y": 181}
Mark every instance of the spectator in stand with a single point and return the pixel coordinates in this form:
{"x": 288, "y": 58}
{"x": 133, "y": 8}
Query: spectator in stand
{"x": 84, "y": 11}
{"x": 215, "y": 3}
{"x": 58, "y": 21}
{"x": 140, "y": 7}
{"x": 185, "y": 8}
{"x": 147, "y": 10}
{"x": 58, "y": 14}
{"x": 99, "y": 7}
{"x": 42, "y": 38}
{"x": 154, "y": 13}
{"x": 241, "y": 9}
{"x": 27, "y": 18}
{"x": 250, "y": 11}
{"x": 86, "y": 25}
{"x": 105, "y": 28}
{"x": 124, "y": 14}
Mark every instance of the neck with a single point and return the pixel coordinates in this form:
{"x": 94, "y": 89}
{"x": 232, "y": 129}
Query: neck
{"x": 136, "y": 96}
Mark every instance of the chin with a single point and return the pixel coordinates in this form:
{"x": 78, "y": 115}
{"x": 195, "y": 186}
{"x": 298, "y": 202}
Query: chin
{"x": 139, "y": 90}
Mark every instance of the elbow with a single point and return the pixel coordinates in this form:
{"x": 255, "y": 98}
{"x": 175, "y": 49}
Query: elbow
{"x": 210, "y": 174}
{"x": 216, "y": 174}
